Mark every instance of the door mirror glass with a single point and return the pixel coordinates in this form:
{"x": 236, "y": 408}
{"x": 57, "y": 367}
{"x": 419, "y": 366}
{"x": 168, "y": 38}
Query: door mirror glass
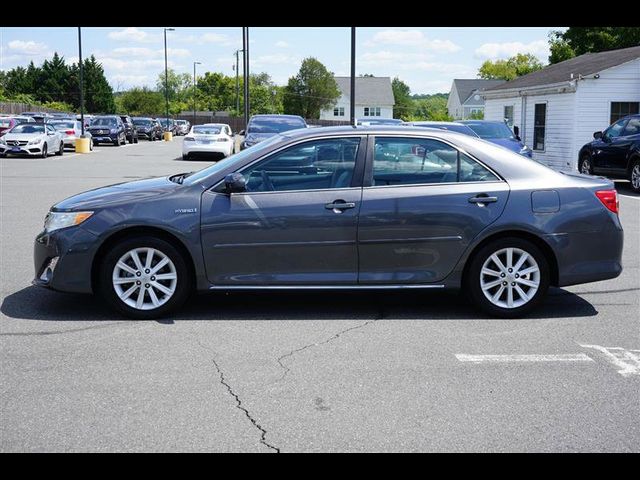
{"x": 235, "y": 183}
{"x": 597, "y": 135}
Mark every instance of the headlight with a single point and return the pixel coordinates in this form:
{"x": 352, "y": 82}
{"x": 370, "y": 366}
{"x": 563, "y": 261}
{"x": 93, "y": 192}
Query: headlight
{"x": 3, "y": 141}
{"x": 57, "y": 220}
{"x": 114, "y": 130}
{"x": 34, "y": 141}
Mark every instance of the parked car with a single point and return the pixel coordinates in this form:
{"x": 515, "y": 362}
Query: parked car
{"x": 318, "y": 209}
{"x": 261, "y": 127}
{"x": 70, "y": 130}
{"x": 183, "y": 127}
{"x": 207, "y": 139}
{"x": 500, "y": 134}
{"x": 168, "y": 125}
{"x": 8, "y": 122}
{"x": 615, "y": 152}
{"x": 378, "y": 121}
{"x": 452, "y": 126}
{"x": 87, "y": 119}
{"x": 148, "y": 128}
{"x": 108, "y": 129}
{"x": 33, "y": 139}
{"x": 131, "y": 130}
{"x": 39, "y": 117}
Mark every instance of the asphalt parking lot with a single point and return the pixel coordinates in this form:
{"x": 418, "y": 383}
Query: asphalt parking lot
{"x": 266, "y": 372}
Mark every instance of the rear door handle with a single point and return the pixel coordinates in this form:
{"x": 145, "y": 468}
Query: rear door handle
{"x": 339, "y": 205}
{"x": 483, "y": 199}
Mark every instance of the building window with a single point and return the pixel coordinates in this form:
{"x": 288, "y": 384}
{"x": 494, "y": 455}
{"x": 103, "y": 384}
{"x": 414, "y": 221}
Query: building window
{"x": 539, "y": 124}
{"x": 622, "y": 109}
{"x": 508, "y": 115}
{"x": 372, "y": 111}
{"x": 338, "y": 112}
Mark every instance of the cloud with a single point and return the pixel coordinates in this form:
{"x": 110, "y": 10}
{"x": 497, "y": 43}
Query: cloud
{"x": 132, "y": 52}
{"x": 282, "y": 44}
{"x": 213, "y": 38}
{"x": 275, "y": 59}
{"x": 493, "y": 51}
{"x": 385, "y": 57}
{"x": 133, "y": 34}
{"x": 28, "y": 48}
{"x": 412, "y": 38}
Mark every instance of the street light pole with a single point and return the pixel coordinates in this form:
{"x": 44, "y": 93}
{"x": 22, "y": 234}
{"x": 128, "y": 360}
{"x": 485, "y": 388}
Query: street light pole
{"x": 238, "y": 81}
{"x": 245, "y": 45}
{"x": 194, "y": 90}
{"x": 81, "y": 80}
{"x": 166, "y": 75}
{"x": 352, "y": 100}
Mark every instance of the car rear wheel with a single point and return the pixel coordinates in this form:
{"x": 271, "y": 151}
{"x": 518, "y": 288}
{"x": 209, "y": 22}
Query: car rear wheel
{"x": 185, "y": 156}
{"x": 61, "y": 149}
{"x": 144, "y": 277}
{"x": 44, "y": 150}
{"x": 508, "y": 278}
{"x": 585, "y": 165}
{"x": 634, "y": 175}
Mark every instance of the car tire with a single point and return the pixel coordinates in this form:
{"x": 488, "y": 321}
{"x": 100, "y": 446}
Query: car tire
{"x": 115, "y": 294}
{"x": 116, "y": 142}
{"x": 60, "y": 152}
{"x": 585, "y": 165}
{"x": 44, "y": 153}
{"x": 185, "y": 156}
{"x": 493, "y": 292}
{"x": 135, "y": 139}
{"x": 634, "y": 175}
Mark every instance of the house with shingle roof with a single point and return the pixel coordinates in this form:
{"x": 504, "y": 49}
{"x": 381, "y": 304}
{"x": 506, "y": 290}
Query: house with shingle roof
{"x": 465, "y": 99}
{"x": 374, "y": 98}
{"x": 557, "y": 109}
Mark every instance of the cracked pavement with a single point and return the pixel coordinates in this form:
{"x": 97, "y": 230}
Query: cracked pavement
{"x": 297, "y": 371}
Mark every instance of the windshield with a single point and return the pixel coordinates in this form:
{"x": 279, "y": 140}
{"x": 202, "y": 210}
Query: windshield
{"x": 165, "y": 122}
{"x": 27, "y": 128}
{"x": 491, "y": 130}
{"x": 143, "y": 123}
{"x": 63, "y": 125}
{"x": 274, "y": 124}
{"x": 181, "y": 122}
{"x": 5, "y": 123}
{"x": 104, "y": 121}
{"x": 229, "y": 162}
{"x": 207, "y": 130}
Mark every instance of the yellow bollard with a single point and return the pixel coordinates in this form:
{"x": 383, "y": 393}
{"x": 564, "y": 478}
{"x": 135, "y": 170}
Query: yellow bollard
{"x": 82, "y": 145}
{"x": 168, "y": 136}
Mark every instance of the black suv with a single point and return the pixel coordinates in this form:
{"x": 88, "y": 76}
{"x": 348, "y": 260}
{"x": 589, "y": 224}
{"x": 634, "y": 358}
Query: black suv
{"x": 615, "y": 152}
{"x": 148, "y": 128}
{"x": 108, "y": 129}
{"x": 131, "y": 131}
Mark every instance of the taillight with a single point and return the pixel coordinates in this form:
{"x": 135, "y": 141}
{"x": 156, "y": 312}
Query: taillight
{"x": 70, "y": 132}
{"x": 609, "y": 199}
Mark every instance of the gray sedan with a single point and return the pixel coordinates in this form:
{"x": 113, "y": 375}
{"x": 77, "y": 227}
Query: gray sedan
{"x": 339, "y": 208}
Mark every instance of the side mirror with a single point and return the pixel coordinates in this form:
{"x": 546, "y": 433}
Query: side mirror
{"x": 516, "y": 132}
{"x": 241, "y": 132}
{"x": 597, "y": 135}
{"x": 235, "y": 182}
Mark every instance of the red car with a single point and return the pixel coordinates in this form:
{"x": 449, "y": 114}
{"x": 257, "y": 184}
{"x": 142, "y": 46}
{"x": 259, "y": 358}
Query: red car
{"x": 7, "y": 123}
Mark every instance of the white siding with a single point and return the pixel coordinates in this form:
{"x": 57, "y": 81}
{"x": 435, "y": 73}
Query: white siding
{"x": 453, "y": 103}
{"x": 594, "y": 97}
{"x": 386, "y": 111}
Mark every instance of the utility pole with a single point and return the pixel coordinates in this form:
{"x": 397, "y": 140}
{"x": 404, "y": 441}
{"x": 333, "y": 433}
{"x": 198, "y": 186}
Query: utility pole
{"x": 195, "y": 84}
{"x": 352, "y": 100}
{"x": 245, "y": 45}
{"x": 81, "y": 80}
{"x": 238, "y": 80}
{"x": 166, "y": 75}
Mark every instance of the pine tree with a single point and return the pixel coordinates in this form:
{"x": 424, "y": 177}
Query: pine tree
{"x": 98, "y": 94}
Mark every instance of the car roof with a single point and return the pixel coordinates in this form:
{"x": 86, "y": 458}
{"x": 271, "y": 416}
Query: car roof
{"x": 366, "y": 130}
{"x": 433, "y": 122}
{"x": 276, "y": 115}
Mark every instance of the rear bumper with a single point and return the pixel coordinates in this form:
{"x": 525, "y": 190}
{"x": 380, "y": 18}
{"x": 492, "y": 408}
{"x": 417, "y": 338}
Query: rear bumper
{"x": 215, "y": 147}
{"x": 586, "y": 257}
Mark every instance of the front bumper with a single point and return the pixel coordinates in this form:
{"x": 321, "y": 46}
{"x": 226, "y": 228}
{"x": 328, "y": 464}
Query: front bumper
{"x": 21, "y": 150}
{"x": 74, "y": 249}
{"x": 103, "y": 137}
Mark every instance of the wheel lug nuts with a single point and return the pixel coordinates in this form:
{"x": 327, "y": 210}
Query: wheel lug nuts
{"x": 517, "y": 276}
{"x": 510, "y": 270}
{"x": 138, "y": 274}
{"x": 502, "y": 275}
{"x": 147, "y": 271}
{"x": 153, "y": 279}
{"x": 513, "y": 284}
{"x": 504, "y": 283}
{"x": 146, "y": 285}
{"x": 138, "y": 282}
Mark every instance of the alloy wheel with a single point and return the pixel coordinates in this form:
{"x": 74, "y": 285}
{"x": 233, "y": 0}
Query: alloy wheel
{"x": 635, "y": 177}
{"x": 144, "y": 285}
{"x": 586, "y": 166}
{"x": 510, "y": 278}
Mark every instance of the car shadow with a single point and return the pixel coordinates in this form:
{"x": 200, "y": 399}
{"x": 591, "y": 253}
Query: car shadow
{"x": 624, "y": 187}
{"x": 34, "y": 303}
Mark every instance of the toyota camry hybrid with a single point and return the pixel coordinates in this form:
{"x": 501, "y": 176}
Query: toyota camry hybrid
{"x": 377, "y": 207}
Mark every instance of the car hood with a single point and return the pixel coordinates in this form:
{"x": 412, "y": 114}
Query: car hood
{"x": 512, "y": 144}
{"x": 22, "y": 136}
{"x": 135, "y": 191}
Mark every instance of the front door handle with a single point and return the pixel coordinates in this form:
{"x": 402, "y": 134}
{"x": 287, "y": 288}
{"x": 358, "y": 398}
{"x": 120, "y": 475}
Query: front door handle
{"x": 338, "y": 206}
{"x": 482, "y": 199}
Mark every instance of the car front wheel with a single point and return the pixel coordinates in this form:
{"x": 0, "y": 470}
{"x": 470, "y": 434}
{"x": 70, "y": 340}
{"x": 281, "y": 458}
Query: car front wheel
{"x": 585, "y": 165}
{"x": 144, "y": 277}
{"x": 634, "y": 176}
{"x": 508, "y": 278}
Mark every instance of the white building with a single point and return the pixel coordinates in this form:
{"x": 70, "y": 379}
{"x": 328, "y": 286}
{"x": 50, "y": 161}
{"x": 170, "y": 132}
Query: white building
{"x": 374, "y": 98}
{"x": 465, "y": 97}
{"x": 557, "y": 109}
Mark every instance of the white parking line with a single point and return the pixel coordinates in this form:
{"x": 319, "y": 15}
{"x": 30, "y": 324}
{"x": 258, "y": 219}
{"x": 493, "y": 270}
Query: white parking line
{"x": 628, "y": 196}
{"x": 568, "y": 357}
{"x": 627, "y": 361}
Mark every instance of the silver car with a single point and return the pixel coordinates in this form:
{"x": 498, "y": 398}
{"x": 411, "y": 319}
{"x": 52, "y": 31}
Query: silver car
{"x": 71, "y": 130}
{"x": 33, "y": 139}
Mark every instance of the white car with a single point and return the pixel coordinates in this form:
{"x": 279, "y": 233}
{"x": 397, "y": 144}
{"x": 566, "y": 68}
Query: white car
{"x": 33, "y": 139}
{"x": 71, "y": 130}
{"x": 210, "y": 138}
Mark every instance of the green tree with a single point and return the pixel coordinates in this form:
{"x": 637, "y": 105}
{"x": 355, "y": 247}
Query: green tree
{"x": 516, "y": 66}
{"x": 580, "y": 40}
{"x": 53, "y": 81}
{"x": 98, "y": 94}
{"x": 431, "y": 107}
{"x": 311, "y": 90}
{"x": 141, "y": 101}
{"x": 402, "y": 95}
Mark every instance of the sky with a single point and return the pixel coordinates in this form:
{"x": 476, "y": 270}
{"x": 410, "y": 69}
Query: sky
{"x": 427, "y": 58}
